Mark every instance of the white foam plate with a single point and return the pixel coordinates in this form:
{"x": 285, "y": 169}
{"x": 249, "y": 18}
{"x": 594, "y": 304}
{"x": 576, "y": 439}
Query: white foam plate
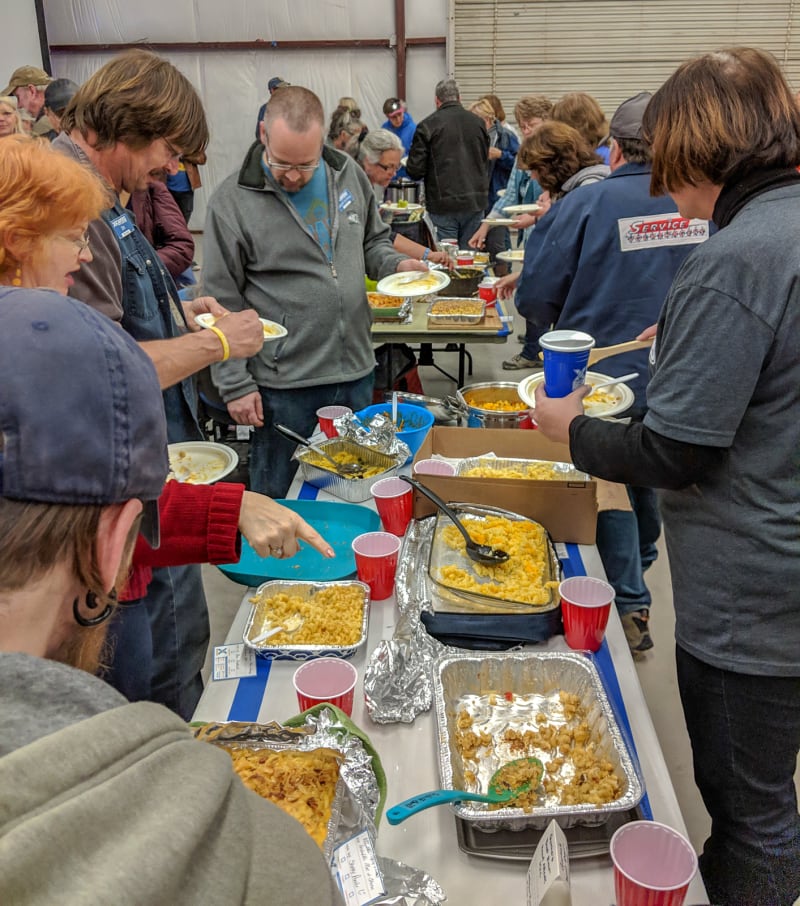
{"x": 622, "y": 394}
{"x": 200, "y": 462}
{"x": 272, "y": 330}
{"x": 499, "y": 221}
{"x": 402, "y": 286}
{"x": 522, "y": 208}
{"x": 512, "y": 255}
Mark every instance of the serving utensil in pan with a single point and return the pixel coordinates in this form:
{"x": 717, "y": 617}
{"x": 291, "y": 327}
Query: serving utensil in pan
{"x": 499, "y": 791}
{"x": 480, "y": 553}
{"x": 350, "y": 468}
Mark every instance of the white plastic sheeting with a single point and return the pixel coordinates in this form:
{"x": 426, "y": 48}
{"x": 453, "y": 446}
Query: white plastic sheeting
{"x": 233, "y": 84}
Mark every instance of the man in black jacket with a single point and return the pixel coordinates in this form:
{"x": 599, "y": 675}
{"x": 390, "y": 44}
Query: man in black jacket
{"x": 450, "y": 152}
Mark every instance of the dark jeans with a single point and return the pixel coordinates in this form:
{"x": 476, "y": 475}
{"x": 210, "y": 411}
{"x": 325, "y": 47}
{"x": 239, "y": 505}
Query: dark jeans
{"x": 131, "y": 642}
{"x": 745, "y": 734}
{"x": 626, "y": 542}
{"x": 271, "y": 465}
{"x": 185, "y": 201}
{"x": 462, "y": 226}
{"x": 497, "y": 241}
{"x": 531, "y": 347}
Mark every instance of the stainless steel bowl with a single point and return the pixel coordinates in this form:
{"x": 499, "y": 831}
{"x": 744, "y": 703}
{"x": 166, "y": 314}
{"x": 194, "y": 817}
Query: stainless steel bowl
{"x": 445, "y": 411}
{"x": 472, "y": 396}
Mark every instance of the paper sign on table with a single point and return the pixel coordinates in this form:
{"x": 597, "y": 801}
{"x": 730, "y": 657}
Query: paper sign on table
{"x": 233, "y": 662}
{"x": 548, "y": 875}
{"x": 357, "y": 870}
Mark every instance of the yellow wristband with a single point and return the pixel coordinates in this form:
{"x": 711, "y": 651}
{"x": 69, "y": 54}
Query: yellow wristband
{"x": 226, "y": 349}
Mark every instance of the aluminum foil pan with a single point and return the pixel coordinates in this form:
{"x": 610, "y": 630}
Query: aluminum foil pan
{"x": 357, "y": 793}
{"x": 305, "y": 590}
{"x": 562, "y": 471}
{"x": 442, "y": 555}
{"x": 356, "y": 490}
{"x": 453, "y": 318}
{"x": 478, "y": 684}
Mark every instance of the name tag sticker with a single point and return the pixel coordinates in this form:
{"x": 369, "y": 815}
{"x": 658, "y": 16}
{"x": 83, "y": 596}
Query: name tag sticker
{"x": 659, "y": 230}
{"x": 345, "y": 200}
{"x": 357, "y": 871}
{"x": 352, "y": 217}
{"x": 233, "y": 662}
{"x": 122, "y": 226}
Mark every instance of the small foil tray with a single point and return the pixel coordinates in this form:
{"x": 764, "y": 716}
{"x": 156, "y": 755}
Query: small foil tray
{"x": 442, "y": 555}
{"x": 356, "y": 490}
{"x": 562, "y": 471}
{"x": 474, "y": 317}
{"x": 306, "y": 591}
{"x": 479, "y": 685}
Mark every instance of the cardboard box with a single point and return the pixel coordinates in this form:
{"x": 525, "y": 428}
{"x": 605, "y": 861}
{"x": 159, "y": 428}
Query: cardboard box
{"x": 567, "y": 509}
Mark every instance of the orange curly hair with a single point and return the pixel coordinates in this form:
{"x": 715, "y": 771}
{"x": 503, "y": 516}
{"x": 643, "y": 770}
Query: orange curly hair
{"x": 42, "y": 192}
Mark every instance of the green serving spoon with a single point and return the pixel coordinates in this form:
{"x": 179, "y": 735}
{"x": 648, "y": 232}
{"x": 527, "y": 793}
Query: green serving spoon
{"x": 498, "y": 792}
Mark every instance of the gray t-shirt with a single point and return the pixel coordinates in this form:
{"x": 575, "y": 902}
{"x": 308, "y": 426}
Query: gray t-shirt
{"x": 727, "y": 374}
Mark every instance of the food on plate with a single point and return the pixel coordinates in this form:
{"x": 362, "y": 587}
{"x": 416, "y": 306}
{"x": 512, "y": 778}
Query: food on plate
{"x": 557, "y": 733}
{"x": 423, "y": 281}
{"x": 456, "y": 307}
{"x": 522, "y": 578}
{"x": 381, "y": 300}
{"x": 542, "y": 471}
{"x": 302, "y": 784}
{"x": 600, "y": 398}
{"x": 495, "y": 405}
{"x": 332, "y": 616}
{"x": 343, "y": 458}
{"x": 270, "y": 329}
{"x": 512, "y": 255}
{"x": 190, "y": 470}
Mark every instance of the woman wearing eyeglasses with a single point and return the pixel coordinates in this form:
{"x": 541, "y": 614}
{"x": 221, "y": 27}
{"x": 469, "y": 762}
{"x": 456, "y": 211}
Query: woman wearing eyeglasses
{"x": 379, "y": 155}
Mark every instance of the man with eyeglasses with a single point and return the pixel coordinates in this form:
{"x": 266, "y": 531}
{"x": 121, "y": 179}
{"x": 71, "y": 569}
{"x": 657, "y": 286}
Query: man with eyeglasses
{"x": 291, "y": 235}
{"x": 135, "y": 115}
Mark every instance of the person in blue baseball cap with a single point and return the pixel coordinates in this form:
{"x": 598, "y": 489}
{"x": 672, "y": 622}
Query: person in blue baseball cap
{"x": 103, "y": 799}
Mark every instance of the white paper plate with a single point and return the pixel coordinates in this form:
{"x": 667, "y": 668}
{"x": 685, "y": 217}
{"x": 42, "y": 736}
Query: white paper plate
{"x": 513, "y": 255}
{"x": 394, "y": 206}
{"x": 272, "y": 330}
{"x": 622, "y": 393}
{"x": 401, "y": 284}
{"x": 522, "y": 209}
{"x": 200, "y": 462}
{"x": 499, "y": 221}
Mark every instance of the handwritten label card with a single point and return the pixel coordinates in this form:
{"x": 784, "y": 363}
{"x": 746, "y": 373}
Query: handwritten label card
{"x": 358, "y": 872}
{"x": 233, "y": 662}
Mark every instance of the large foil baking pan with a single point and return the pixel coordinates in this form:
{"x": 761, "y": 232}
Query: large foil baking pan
{"x": 563, "y": 471}
{"x": 441, "y": 554}
{"x": 304, "y": 590}
{"x": 473, "y": 317}
{"x": 356, "y": 490}
{"x": 465, "y": 682}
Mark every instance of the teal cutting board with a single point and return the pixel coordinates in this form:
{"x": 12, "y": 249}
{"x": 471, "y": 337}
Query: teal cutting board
{"x": 338, "y": 523}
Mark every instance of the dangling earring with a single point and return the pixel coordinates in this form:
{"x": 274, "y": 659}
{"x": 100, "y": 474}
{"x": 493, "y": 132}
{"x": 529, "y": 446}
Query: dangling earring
{"x": 91, "y": 604}
{"x": 17, "y": 280}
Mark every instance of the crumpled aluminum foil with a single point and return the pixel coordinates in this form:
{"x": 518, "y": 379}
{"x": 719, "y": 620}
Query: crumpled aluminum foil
{"x": 381, "y": 435}
{"x": 407, "y": 886}
{"x": 398, "y": 680}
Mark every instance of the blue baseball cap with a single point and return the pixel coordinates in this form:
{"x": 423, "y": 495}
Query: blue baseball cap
{"x": 81, "y": 413}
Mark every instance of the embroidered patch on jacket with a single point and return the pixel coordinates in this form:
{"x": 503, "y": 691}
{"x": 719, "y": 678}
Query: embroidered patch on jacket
{"x": 657, "y": 230}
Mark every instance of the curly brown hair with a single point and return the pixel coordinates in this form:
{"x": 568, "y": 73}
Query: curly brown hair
{"x": 719, "y": 116}
{"x": 555, "y": 151}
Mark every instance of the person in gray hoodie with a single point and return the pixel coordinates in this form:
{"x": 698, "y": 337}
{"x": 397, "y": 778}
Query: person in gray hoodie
{"x": 103, "y": 801}
{"x": 292, "y": 236}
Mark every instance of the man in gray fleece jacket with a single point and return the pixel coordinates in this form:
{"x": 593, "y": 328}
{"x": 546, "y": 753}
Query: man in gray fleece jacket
{"x": 291, "y": 236}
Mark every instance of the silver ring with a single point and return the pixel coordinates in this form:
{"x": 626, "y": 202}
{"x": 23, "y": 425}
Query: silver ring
{"x": 277, "y": 552}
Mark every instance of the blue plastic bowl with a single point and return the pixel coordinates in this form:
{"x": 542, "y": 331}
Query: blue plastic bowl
{"x": 416, "y": 422}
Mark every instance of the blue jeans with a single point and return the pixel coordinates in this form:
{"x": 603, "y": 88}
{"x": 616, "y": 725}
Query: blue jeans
{"x": 745, "y": 734}
{"x": 457, "y": 226}
{"x": 626, "y": 542}
{"x": 271, "y": 466}
{"x": 531, "y": 347}
{"x": 131, "y": 642}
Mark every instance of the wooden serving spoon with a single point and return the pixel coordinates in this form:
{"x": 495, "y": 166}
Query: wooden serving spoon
{"x": 605, "y": 352}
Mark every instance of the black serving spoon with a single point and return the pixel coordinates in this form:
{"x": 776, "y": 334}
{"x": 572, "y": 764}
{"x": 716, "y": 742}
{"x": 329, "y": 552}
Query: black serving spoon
{"x": 480, "y": 553}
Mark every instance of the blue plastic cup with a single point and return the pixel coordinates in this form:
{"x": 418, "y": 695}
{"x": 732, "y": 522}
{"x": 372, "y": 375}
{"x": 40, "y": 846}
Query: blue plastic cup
{"x": 566, "y": 357}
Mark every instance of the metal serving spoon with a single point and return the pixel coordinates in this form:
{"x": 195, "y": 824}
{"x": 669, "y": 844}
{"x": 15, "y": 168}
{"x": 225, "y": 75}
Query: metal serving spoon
{"x": 498, "y": 792}
{"x": 480, "y": 553}
{"x": 350, "y": 468}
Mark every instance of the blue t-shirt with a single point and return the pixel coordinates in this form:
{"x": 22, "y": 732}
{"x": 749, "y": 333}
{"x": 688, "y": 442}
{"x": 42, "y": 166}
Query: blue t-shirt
{"x": 311, "y": 203}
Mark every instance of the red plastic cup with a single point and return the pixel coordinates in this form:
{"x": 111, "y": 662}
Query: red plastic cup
{"x": 376, "y": 562}
{"x": 585, "y": 605}
{"x": 395, "y": 504}
{"x": 653, "y": 865}
{"x": 434, "y": 467}
{"x": 327, "y": 414}
{"x": 487, "y": 290}
{"x": 325, "y": 679}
